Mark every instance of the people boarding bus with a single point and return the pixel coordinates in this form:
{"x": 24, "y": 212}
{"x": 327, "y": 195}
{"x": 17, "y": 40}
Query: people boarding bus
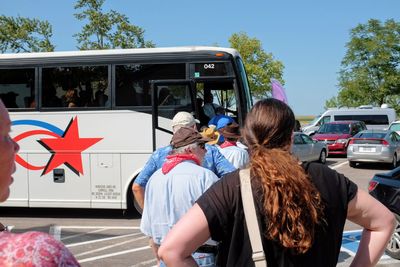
{"x": 87, "y": 121}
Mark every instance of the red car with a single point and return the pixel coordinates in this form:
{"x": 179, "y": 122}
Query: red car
{"x": 336, "y": 135}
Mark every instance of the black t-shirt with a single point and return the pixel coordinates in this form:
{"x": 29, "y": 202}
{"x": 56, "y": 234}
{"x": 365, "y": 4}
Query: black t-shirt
{"x": 222, "y": 206}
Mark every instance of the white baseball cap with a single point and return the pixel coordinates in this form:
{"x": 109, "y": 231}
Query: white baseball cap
{"x": 184, "y": 118}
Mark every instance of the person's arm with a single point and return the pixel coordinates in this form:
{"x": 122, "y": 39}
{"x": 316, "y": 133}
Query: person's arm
{"x": 138, "y": 192}
{"x": 177, "y": 248}
{"x": 378, "y": 223}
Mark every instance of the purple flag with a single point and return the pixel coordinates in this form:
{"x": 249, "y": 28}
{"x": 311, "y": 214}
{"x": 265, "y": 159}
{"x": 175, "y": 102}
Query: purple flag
{"x": 278, "y": 92}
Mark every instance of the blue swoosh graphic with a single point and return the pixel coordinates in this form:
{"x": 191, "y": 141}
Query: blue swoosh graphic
{"x": 41, "y": 124}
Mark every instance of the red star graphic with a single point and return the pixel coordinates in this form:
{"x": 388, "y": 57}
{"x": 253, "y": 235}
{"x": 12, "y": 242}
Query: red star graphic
{"x": 67, "y": 149}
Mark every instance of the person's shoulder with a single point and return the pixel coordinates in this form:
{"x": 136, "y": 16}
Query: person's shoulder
{"x": 232, "y": 178}
{"x": 323, "y": 175}
{"x": 35, "y": 239}
{"x": 61, "y": 255}
{"x": 315, "y": 167}
{"x": 211, "y": 147}
{"x": 162, "y": 151}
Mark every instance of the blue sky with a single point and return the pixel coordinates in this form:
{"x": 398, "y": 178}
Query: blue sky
{"x": 308, "y": 36}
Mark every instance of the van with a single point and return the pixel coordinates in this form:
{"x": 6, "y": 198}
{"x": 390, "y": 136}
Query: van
{"x": 373, "y": 117}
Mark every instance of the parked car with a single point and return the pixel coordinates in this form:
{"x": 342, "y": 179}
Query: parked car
{"x": 385, "y": 187}
{"x": 336, "y": 135}
{"x": 374, "y": 146}
{"x": 395, "y": 126}
{"x": 307, "y": 149}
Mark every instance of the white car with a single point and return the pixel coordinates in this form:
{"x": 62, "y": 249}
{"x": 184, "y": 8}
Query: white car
{"x": 395, "y": 126}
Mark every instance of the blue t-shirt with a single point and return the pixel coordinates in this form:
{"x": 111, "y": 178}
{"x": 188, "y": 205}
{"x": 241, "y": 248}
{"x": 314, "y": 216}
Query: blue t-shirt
{"x": 213, "y": 160}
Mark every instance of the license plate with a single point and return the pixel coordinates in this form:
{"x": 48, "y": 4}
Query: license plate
{"x": 367, "y": 149}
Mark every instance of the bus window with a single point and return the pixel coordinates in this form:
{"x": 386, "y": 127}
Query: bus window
{"x": 220, "y": 96}
{"x": 70, "y": 87}
{"x": 17, "y": 89}
{"x": 172, "y": 99}
{"x": 370, "y": 119}
{"x": 132, "y": 86}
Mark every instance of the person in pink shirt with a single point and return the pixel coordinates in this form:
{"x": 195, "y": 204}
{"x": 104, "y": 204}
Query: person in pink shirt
{"x": 30, "y": 248}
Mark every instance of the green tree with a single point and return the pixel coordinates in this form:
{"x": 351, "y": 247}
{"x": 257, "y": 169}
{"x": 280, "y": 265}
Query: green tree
{"x": 260, "y": 66}
{"x": 106, "y": 30}
{"x": 18, "y": 34}
{"x": 331, "y": 103}
{"x": 370, "y": 73}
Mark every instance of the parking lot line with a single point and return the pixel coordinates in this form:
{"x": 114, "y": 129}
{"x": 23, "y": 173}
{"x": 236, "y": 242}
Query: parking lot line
{"x": 82, "y": 234}
{"x": 107, "y": 247}
{"x": 100, "y": 240}
{"x": 114, "y": 254}
{"x": 338, "y": 165}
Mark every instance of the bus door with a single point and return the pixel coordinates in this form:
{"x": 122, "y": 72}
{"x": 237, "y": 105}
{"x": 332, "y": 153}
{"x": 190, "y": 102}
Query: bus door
{"x": 168, "y": 98}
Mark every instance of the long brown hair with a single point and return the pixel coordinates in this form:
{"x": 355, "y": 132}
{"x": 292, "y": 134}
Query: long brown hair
{"x": 292, "y": 204}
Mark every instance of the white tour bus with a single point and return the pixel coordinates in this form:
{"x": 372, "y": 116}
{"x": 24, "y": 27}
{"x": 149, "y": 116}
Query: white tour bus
{"x": 374, "y": 117}
{"x": 87, "y": 121}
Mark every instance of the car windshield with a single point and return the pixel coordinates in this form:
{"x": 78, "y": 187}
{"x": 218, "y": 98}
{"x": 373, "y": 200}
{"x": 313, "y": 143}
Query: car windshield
{"x": 370, "y": 135}
{"x": 334, "y": 128}
{"x": 315, "y": 120}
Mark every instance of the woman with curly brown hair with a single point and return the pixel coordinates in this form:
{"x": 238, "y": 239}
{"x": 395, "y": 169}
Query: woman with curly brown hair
{"x": 301, "y": 208}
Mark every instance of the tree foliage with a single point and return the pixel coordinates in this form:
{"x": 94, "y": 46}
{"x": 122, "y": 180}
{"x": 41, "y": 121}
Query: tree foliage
{"x": 370, "y": 72}
{"x": 19, "y": 34}
{"x": 106, "y": 30}
{"x": 260, "y": 66}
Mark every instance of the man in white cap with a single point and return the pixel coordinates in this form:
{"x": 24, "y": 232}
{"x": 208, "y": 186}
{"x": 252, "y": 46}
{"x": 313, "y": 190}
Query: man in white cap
{"x": 213, "y": 159}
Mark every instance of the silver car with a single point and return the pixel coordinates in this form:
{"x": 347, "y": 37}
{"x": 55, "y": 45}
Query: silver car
{"x": 374, "y": 146}
{"x": 307, "y": 149}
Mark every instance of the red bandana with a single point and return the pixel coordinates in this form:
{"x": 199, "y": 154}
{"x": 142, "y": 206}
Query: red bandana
{"x": 173, "y": 160}
{"x": 227, "y": 144}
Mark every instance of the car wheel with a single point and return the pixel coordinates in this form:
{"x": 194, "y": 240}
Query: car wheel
{"x": 352, "y": 164}
{"x": 322, "y": 157}
{"x": 393, "y": 247}
{"x": 394, "y": 162}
